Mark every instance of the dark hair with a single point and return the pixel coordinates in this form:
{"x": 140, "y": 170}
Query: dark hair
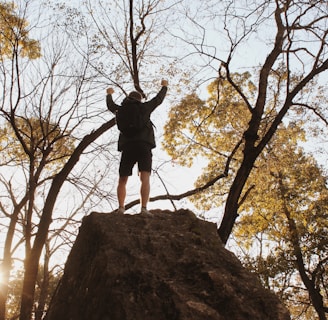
{"x": 135, "y": 95}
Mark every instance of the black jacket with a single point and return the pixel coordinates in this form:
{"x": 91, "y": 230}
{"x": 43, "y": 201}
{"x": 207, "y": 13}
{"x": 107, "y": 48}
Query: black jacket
{"x": 147, "y": 134}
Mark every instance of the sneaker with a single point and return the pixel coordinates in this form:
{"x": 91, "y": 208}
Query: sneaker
{"x": 120, "y": 210}
{"x": 144, "y": 211}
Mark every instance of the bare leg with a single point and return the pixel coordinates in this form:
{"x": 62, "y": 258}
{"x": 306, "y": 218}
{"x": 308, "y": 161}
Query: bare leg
{"x": 121, "y": 190}
{"x": 145, "y": 188}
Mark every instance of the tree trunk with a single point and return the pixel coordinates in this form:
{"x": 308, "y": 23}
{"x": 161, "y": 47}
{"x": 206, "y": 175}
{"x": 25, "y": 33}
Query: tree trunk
{"x": 44, "y": 288}
{"x": 310, "y": 284}
{"x": 231, "y": 207}
{"x": 6, "y": 263}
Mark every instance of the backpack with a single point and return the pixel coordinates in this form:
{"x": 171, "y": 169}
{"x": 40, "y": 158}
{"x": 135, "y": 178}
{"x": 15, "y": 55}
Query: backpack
{"x": 130, "y": 119}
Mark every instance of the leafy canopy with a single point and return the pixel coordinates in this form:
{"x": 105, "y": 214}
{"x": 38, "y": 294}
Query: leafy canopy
{"x": 35, "y": 140}
{"x": 212, "y": 129}
{"x": 14, "y": 34}
{"x": 287, "y": 216}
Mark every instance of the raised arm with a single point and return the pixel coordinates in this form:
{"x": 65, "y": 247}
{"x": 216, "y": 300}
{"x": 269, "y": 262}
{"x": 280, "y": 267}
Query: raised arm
{"x": 111, "y": 105}
{"x": 158, "y": 99}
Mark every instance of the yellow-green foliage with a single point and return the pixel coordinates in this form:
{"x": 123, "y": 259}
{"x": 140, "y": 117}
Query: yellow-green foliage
{"x": 287, "y": 179}
{"x": 207, "y": 128}
{"x": 14, "y": 34}
{"x": 35, "y": 140}
{"x": 211, "y": 129}
{"x": 289, "y": 186}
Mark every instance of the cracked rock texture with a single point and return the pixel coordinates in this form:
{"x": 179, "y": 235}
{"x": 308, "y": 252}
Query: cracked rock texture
{"x": 170, "y": 265}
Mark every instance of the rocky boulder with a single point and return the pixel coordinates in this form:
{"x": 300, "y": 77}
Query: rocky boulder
{"x": 164, "y": 266}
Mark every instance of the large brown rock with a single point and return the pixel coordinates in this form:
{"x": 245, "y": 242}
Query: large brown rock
{"x": 168, "y": 266}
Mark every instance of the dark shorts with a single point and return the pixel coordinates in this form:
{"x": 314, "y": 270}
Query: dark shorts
{"x": 135, "y": 153}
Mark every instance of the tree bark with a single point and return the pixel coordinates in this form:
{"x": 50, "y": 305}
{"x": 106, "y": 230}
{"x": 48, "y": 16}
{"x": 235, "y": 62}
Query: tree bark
{"x": 310, "y": 284}
{"x": 44, "y": 284}
{"x": 231, "y": 207}
{"x": 251, "y": 152}
{"x": 134, "y": 54}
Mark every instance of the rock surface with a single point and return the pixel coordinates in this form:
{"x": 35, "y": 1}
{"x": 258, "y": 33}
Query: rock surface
{"x": 167, "y": 266}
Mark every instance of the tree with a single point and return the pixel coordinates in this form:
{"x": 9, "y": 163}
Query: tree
{"x": 287, "y": 217}
{"x": 282, "y": 88}
{"x": 24, "y": 143}
{"x": 16, "y": 287}
{"x": 42, "y": 141}
{"x": 15, "y": 41}
{"x": 286, "y": 45}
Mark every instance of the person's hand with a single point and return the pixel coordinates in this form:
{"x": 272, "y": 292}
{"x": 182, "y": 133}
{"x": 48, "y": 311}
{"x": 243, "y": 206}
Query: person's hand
{"x": 164, "y": 83}
{"x": 110, "y": 91}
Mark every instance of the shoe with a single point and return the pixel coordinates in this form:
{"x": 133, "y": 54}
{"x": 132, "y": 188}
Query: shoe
{"x": 144, "y": 211}
{"x": 120, "y": 210}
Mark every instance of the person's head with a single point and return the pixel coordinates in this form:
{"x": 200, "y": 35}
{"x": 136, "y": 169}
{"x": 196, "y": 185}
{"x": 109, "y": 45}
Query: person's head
{"x": 135, "y": 95}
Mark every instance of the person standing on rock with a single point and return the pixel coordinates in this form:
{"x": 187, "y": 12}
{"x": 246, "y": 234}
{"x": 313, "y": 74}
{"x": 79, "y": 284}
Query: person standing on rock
{"x": 136, "y": 140}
